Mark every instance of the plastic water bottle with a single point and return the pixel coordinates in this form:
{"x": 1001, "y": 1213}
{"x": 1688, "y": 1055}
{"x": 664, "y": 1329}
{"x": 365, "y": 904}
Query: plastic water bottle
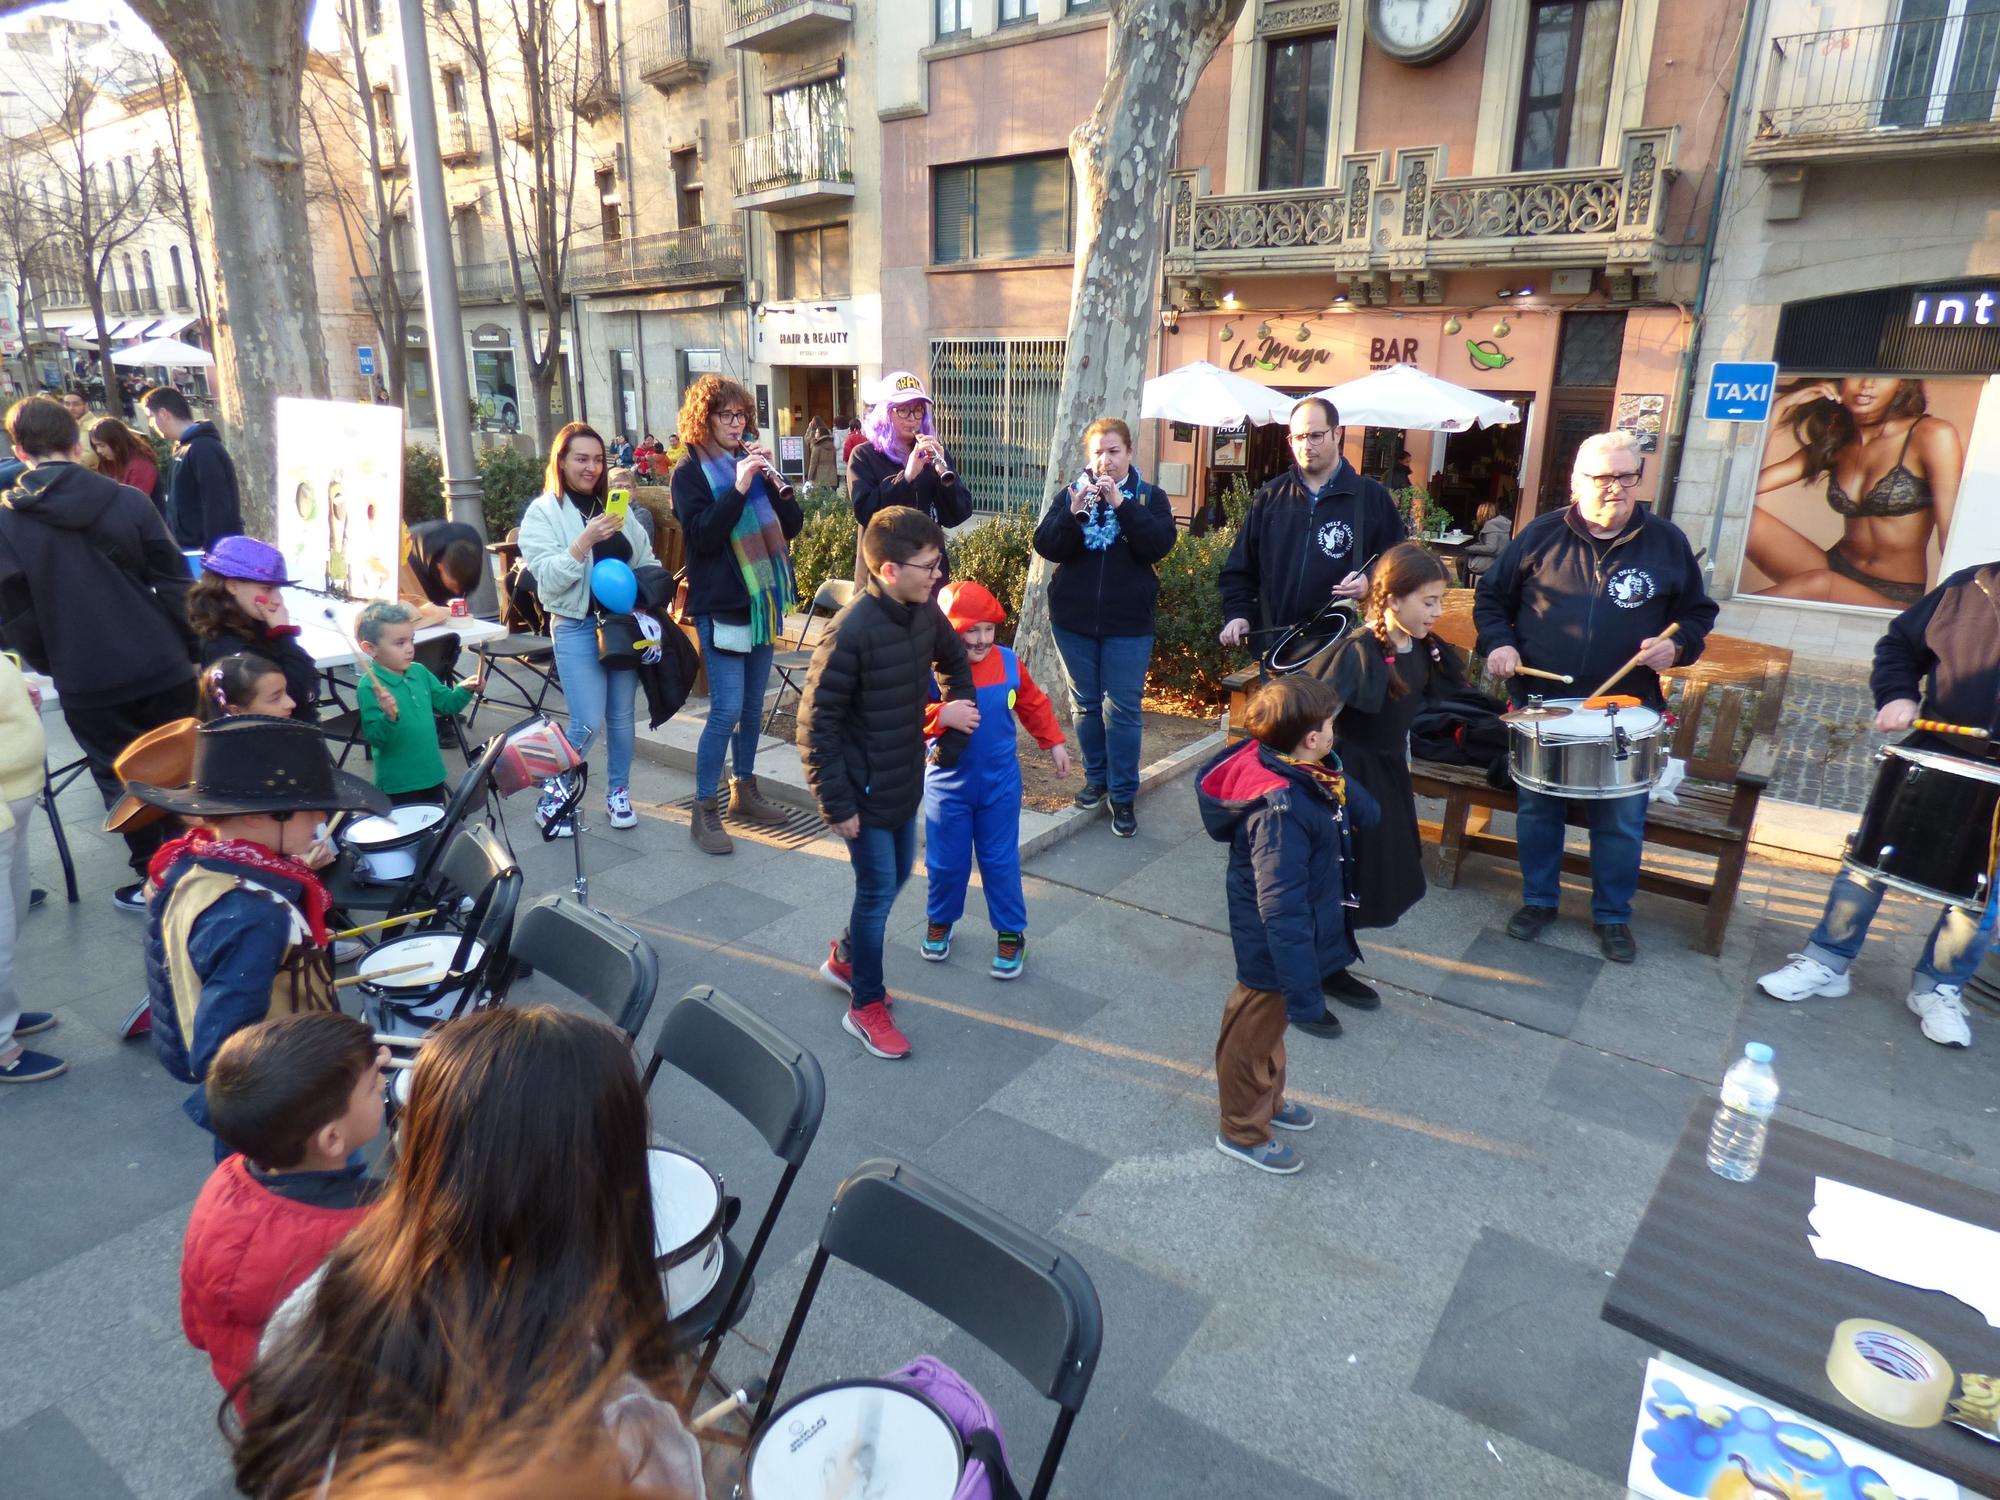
{"x": 1749, "y": 1099}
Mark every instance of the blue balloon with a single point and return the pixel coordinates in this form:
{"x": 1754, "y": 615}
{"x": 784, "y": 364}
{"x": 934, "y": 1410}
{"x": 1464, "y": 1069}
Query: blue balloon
{"x": 614, "y": 585}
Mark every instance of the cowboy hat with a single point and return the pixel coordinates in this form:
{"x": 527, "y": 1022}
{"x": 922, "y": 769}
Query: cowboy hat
{"x": 250, "y": 763}
{"x": 159, "y": 757}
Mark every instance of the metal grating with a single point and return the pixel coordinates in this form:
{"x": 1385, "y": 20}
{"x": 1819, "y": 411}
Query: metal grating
{"x": 996, "y": 412}
{"x": 800, "y": 829}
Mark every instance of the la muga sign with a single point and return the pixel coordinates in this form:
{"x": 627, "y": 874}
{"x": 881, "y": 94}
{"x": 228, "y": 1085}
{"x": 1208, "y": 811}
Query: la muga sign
{"x": 1740, "y": 392}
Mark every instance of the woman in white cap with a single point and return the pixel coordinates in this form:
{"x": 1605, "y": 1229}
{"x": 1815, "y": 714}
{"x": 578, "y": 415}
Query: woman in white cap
{"x": 903, "y": 463}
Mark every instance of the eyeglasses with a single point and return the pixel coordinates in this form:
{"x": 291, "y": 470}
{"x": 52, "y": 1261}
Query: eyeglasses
{"x": 1313, "y": 437}
{"x": 1623, "y": 479}
{"x": 934, "y": 567}
{"x": 909, "y": 409}
{"x": 732, "y": 416}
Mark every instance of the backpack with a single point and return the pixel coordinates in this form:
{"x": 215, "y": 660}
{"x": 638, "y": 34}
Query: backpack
{"x": 986, "y": 1475}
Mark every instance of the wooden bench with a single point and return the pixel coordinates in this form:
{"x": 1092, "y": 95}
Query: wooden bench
{"x": 1727, "y": 705}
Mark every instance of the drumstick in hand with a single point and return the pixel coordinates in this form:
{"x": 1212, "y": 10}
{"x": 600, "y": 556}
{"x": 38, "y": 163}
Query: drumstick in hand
{"x": 1538, "y": 672}
{"x": 415, "y": 916}
{"x": 1936, "y": 726}
{"x": 1618, "y": 676}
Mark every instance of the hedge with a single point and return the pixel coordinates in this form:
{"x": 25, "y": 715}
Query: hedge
{"x": 508, "y": 480}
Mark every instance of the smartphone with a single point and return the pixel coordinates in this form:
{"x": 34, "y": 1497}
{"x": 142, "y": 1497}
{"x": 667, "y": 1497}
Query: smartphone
{"x": 619, "y": 505}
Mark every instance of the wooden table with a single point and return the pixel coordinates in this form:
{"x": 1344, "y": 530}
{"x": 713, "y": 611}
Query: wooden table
{"x": 1720, "y": 1274}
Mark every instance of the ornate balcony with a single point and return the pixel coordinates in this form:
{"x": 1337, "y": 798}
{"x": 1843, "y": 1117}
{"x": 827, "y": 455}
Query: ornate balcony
{"x": 706, "y": 255}
{"x": 676, "y": 49}
{"x": 1905, "y": 88}
{"x": 794, "y": 168}
{"x": 1409, "y": 221}
{"x": 784, "y": 25}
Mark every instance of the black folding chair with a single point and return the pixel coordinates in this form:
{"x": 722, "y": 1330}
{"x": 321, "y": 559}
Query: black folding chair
{"x": 832, "y": 597}
{"x": 476, "y": 866}
{"x": 771, "y": 1081}
{"x": 593, "y": 957}
{"x": 439, "y": 656}
{"x": 351, "y": 893}
{"x": 53, "y": 784}
{"x": 1016, "y": 1293}
{"x": 524, "y": 660}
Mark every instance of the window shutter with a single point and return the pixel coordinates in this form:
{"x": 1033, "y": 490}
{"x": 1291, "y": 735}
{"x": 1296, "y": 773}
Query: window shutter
{"x": 951, "y": 192}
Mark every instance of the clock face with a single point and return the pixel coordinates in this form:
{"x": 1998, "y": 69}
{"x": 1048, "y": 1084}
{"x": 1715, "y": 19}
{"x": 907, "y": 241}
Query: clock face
{"x": 1422, "y": 31}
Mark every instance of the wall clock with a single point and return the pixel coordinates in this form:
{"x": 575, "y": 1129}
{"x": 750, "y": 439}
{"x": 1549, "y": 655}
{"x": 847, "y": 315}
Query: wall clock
{"x": 1418, "y": 32}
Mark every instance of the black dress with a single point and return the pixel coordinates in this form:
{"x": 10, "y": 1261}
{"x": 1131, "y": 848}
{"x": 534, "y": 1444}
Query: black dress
{"x": 1372, "y": 738}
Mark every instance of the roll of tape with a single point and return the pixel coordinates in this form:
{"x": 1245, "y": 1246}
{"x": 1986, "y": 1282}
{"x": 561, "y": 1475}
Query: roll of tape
{"x": 1892, "y": 1375}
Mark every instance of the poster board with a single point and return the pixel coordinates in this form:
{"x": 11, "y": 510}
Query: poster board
{"x": 340, "y": 495}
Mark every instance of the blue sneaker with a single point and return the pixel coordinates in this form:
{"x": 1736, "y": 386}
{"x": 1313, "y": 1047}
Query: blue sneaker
{"x": 937, "y": 942}
{"x": 1269, "y": 1157}
{"x": 1010, "y": 956}
{"x": 33, "y": 1021}
{"x": 1294, "y": 1117}
{"x": 32, "y": 1067}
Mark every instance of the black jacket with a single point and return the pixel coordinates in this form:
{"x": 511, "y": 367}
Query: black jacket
{"x": 715, "y": 580}
{"x": 202, "y": 501}
{"x": 428, "y": 539}
{"x": 283, "y": 651}
{"x": 1105, "y": 583}
{"x": 875, "y": 482}
{"x": 1951, "y": 636}
{"x": 1571, "y": 602}
{"x": 861, "y": 719}
{"x": 1292, "y": 548}
{"x": 92, "y": 589}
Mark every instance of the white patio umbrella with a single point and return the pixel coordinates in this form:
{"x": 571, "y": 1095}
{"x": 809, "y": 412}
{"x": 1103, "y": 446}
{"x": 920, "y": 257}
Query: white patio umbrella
{"x": 1209, "y": 396}
{"x": 170, "y": 352}
{"x": 1404, "y": 396}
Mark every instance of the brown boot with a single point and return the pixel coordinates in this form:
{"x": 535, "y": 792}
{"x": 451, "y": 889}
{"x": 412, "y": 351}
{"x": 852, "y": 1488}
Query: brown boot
{"x": 707, "y": 831}
{"x": 752, "y": 806}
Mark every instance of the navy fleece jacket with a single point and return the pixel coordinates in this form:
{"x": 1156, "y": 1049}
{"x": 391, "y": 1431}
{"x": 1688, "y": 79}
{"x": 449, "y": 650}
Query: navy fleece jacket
{"x": 1951, "y": 636}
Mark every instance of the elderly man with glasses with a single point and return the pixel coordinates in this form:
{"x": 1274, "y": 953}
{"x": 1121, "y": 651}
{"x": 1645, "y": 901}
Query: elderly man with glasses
{"x": 1581, "y": 591}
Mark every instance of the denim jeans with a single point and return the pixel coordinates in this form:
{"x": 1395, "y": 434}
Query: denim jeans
{"x": 1617, "y": 831}
{"x": 597, "y": 698}
{"x": 735, "y": 709}
{"x": 881, "y": 858}
{"x": 1107, "y": 667}
{"x": 13, "y": 906}
{"x": 1951, "y": 956}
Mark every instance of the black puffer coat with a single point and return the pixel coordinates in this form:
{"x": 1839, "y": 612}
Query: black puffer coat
{"x": 861, "y": 723}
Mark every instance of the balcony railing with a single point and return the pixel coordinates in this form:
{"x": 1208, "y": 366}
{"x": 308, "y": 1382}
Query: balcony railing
{"x": 677, "y": 48}
{"x": 784, "y": 25}
{"x": 709, "y": 253}
{"x": 791, "y": 165}
{"x": 1881, "y": 90}
{"x": 457, "y": 146}
{"x": 598, "y": 95}
{"x": 1411, "y": 220}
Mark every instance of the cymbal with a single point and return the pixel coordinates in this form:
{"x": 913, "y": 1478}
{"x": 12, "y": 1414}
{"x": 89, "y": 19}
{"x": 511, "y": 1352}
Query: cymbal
{"x": 1541, "y": 714}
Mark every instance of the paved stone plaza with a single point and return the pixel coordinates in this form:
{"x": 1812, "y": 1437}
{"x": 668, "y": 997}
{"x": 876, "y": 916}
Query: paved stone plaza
{"x": 1415, "y": 1314}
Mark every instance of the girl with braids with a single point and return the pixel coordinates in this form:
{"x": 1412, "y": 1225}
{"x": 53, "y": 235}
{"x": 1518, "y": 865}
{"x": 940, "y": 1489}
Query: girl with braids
{"x": 244, "y": 684}
{"x": 1383, "y": 669}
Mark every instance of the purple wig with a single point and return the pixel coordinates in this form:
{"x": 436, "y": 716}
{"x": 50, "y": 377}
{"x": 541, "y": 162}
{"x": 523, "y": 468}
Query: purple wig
{"x": 880, "y": 431}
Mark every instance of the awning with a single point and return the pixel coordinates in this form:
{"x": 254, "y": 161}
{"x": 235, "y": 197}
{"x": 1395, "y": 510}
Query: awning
{"x": 130, "y": 328}
{"x": 83, "y": 329}
{"x": 166, "y": 328}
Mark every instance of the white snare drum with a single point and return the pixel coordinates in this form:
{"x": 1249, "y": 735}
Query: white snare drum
{"x": 856, "y": 1440}
{"x": 687, "y": 1226}
{"x": 385, "y": 847}
{"x": 417, "y": 991}
{"x": 1591, "y": 754}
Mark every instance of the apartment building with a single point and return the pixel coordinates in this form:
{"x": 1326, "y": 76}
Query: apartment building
{"x": 1510, "y": 194}
{"x": 1857, "y": 252}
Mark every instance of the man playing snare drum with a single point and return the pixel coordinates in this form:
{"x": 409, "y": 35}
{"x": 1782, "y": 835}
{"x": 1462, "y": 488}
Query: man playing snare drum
{"x": 1581, "y": 591}
{"x": 1951, "y": 637}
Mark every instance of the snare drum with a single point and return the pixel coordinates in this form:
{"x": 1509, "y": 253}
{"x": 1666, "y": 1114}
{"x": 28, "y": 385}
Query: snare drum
{"x": 429, "y": 992}
{"x": 1929, "y": 826}
{"x": 1593, "y": 754}
{"x": 687, "y": 1226}
{"x": 856, "y": 1439}
{"x": 385, "y": 848}
{"x": 1295, "y": 649}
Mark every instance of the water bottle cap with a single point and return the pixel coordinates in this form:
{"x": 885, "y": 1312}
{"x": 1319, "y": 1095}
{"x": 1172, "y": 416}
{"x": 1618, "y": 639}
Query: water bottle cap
{"x": 1757, "y": 1052}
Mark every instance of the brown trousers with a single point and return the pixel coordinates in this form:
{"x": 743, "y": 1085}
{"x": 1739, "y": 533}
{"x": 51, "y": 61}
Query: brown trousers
{"x": 1250, "y": 1064}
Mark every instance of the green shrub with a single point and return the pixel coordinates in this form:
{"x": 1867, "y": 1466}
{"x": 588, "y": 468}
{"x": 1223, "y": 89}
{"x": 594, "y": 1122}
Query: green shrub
{"x": 1235, "y": 501}
{"x": 508, "y": 480}
{"x": 997, "y": 552}
{"x": 1187, "y": 660}
{"x": 423, "y": 481}
{"x": 824, "y": 548}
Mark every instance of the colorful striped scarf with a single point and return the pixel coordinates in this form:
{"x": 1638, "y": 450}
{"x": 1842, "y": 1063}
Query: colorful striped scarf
{"x": 759, "y": 544}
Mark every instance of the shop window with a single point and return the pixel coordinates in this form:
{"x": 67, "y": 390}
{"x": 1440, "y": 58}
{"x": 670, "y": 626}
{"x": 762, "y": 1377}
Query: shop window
{"x": 1944, "y": 63}
{"x": 1566, "y": 84}
{"x": 954, "y": 18}
{"x": 996, "y": 411}
{"x": 813, "y": 262}
{"x": 1298, "y": 112}
{"x": 1003, "y": 210}
{"x": 1590, "y": 348}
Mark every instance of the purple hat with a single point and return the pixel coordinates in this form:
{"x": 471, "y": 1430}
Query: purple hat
{"x": 246, "y": 558}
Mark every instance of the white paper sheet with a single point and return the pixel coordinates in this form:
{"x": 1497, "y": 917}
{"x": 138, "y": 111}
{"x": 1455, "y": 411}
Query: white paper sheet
{"x": 1902, "y": 1242}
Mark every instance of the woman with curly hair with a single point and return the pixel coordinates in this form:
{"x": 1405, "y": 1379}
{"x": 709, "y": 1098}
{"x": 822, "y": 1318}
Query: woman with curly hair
{"x": 236, "y": 608}
{"x": 903, "y": 463}
{"x": 1892, "y": 473}
{"x": 738, "y": 518}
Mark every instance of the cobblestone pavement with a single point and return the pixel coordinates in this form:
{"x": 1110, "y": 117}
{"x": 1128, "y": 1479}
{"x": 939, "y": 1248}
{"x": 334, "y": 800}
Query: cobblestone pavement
{"x": 1826, "y": 743}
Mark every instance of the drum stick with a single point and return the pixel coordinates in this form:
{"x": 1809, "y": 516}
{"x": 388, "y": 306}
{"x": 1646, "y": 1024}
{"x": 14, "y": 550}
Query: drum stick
{"x": 379, "y": 974}
{"x": 1538, "y": 672}
{"x": 1619, "y": 675}
{"x": 754, "y": 1391}
{"x": 1936, "y": 726}
{"x": 415, "y": 916}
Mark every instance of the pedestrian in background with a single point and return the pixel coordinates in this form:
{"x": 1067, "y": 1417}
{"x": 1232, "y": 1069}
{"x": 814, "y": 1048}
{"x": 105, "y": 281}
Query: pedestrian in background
{"x": 203, "y": 503}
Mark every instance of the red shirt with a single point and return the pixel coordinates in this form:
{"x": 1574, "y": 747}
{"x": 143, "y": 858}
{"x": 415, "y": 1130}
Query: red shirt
{"x": 1031, "y": 704}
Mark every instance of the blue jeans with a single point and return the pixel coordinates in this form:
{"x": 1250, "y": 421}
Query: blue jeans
{"x": 1951, "y": 956}
{"x": 735, "y": 709}
{"x": 882, "y": 858}
{"x": 597, "y": 698}
{"x": 1101, "y": 667}
{"x": 1617, "y": 831}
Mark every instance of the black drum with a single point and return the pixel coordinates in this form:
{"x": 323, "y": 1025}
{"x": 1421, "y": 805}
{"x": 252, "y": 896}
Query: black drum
{"x": 1295, "y": 649}
{"x": 1929, "y": 826}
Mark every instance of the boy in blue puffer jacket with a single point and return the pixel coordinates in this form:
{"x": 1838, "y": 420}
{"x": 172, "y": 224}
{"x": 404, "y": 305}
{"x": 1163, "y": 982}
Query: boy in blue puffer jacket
{"x": 1281, "y": 803}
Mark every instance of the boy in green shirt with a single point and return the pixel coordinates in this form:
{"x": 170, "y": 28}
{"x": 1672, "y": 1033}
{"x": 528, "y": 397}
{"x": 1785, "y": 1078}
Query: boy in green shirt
{"x": 399, "y": 715}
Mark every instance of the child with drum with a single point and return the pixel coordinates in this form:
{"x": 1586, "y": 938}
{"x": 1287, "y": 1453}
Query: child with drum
{"x": 400, "y": 705}
{"x": 1281, "y": 803}
{"x": 1937, "y": 670}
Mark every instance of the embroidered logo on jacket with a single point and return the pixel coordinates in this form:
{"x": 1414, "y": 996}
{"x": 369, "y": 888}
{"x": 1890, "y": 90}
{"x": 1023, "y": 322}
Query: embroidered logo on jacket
{"x": 1335, "y": 538}
{"x": 1630, "y": 587}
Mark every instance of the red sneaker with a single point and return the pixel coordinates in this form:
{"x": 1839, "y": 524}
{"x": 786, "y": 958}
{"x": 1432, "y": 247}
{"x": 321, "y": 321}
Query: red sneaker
{"x": 837, "y": 971}
{"x": 872, "y": 1027}
{"x": 139, "y": 1023}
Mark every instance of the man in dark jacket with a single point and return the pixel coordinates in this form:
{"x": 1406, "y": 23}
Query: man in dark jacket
{"x": 94, "y": 592}
{"x": 1310, "y": 535}
{"x": 1951, "y": 637}
{"x": 1581, "y": 591}
{"x": 202, "y": 500}
{"x": 861, "y": 737}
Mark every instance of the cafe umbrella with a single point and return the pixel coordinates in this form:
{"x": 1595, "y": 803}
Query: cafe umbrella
{"x": 1207, "y": 395}
{"x": 1404, "y": 396}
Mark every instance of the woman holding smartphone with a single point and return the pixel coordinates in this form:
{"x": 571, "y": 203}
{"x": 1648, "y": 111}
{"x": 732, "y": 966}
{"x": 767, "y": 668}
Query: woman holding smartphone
{"x": 738, "y": 517}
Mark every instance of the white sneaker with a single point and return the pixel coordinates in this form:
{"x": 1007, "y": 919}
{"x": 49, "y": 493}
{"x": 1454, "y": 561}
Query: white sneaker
{"x": 346, "y": 950}
{"x": 549, "y": 807}
{"x": 1942, "y": 1013}
{"x": 1802, "y": 978}
{"x": 618, "y": 802}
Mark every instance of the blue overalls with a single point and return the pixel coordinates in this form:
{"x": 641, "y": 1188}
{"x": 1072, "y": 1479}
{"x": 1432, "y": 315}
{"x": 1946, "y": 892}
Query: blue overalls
{"x": 976, "y": 805}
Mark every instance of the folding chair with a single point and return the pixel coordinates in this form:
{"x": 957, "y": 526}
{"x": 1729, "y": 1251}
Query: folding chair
{"x": 775, "y": 1084}
{"x": 351, "y": 893}
{"x": 526, "y": 650}
{"x": 593, "y": 957}
{"x": 832, "y": 597}
{"x": 53, "y": 784}
{"x": 478, "y": 866}
{"x": 1016, "y": 1293}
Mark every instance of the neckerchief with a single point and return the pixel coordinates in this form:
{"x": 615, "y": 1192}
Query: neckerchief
{"x": 759, "y": 544}
{"x": 1330, "y": 781}
{"x": 202, "y": 843}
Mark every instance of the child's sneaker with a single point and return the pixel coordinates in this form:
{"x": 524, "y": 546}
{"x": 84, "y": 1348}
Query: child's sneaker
{"x": 838, "y": 970}
{"x": 618, "y": 804}
{"x": 1011, "y": 954}
{"x": 1269, "y": 1157}
{"x": 936, "y": 945}
{"x": 1290, "y": 1116}
{"x": 138, "y": 1021}
{"x": 872, "y": 1027}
